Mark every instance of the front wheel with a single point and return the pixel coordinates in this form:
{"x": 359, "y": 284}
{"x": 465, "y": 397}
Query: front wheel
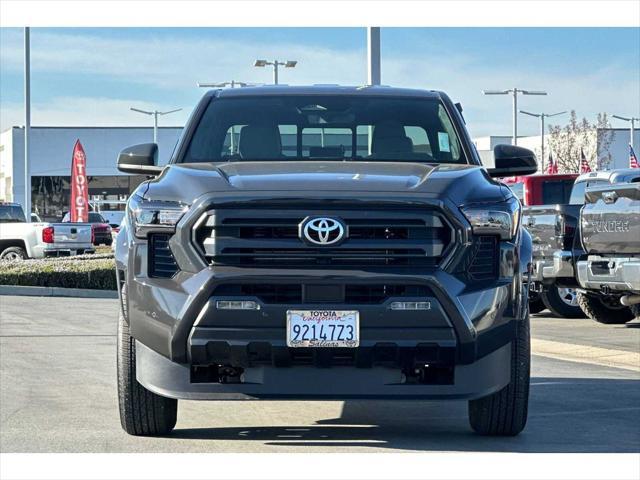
{"x": 562, "y": 302}
{"x": 605, "y": 309}
{"x": 142, "y": 412}
{"x": 505, "y": 412}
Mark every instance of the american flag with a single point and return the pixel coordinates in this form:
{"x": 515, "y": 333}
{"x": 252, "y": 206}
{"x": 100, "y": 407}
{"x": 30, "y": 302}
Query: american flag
{"x": 633, "y": 160}
{"x": 584, "y": 165}
{"x": 552, "y": 166}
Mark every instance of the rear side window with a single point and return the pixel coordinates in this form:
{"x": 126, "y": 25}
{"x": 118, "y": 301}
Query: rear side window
{"x": 11, "y": 214}
{"x": 556, "y": 192}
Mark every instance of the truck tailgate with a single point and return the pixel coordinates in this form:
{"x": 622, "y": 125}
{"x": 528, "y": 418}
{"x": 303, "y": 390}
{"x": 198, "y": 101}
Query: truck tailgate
{"x": 71, "y": 234}
{"x": 551, "y": 227}
{"x": 610, "y": 219}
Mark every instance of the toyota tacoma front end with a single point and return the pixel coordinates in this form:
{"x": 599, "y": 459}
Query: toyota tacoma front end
{"x": 324, "y": 243}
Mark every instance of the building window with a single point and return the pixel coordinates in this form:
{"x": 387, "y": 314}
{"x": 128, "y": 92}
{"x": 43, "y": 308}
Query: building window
{"x": 51, "y": 195}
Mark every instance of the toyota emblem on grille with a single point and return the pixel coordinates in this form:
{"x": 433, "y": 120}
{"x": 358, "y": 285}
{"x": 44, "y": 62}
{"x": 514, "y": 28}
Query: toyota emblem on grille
{"x": 322, "y": 230}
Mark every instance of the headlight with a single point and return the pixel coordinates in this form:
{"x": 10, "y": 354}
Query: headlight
{"x": 501, "y": 219}
{"x": 153, "y": 215}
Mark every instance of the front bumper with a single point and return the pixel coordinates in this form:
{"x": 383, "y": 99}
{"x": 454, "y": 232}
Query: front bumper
{"x": 560, "y": 265}
{"x": 468, "y": 330}
{"x": 620, "y": 274}
{"x": 170, "y": 379}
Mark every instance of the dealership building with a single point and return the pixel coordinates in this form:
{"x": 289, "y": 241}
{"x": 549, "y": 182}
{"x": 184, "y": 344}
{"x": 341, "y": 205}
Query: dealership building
{"x": 51, "y": 150}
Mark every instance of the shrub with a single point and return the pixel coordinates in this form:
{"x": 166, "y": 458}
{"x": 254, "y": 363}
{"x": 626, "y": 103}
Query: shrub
{"x": 97, "y": 272}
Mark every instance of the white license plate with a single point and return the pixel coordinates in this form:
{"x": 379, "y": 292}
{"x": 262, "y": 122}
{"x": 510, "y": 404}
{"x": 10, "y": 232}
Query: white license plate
{"x": 323, "y": 328}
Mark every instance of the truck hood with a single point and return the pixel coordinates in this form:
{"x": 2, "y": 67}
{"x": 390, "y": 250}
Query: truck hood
{"x": 186, "y": 182}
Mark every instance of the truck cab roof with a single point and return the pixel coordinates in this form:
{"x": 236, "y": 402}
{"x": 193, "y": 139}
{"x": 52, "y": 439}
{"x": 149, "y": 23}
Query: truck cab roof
{"x": 619, "y": 175}
{"x": 363, "y": 90}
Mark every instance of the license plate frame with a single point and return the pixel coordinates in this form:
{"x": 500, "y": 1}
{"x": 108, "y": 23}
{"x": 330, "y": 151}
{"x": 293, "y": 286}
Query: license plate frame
{"x": 322, "y": 319}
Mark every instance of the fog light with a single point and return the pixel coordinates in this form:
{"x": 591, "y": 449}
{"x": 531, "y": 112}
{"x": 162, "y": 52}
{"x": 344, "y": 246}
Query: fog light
{"x": 410, "y": 306}
{"x": 237, "y": 305}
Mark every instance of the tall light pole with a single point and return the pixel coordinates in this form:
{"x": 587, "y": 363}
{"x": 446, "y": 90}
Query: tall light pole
{"x": 374, "y": 75}
{"x": 27, "y": 121}
{"x": 542, "y": 116}
{"x": 275, "y": 64}
{"x": 155, "y": 114}
{"x": 632, "y": 125}
{"x": 231, "y": 84}
{"x": 514, "y": 93}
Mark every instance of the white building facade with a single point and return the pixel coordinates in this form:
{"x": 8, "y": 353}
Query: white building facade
{"x": 604, "y": 149}
{"x": 50, "y": 163}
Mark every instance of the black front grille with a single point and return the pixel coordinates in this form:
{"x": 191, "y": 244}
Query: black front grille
{"x": 298, "y": 294}
{"x": 484, "y": 262}
{"x": 161, "y": 261}
{"x": 397, "y": 238}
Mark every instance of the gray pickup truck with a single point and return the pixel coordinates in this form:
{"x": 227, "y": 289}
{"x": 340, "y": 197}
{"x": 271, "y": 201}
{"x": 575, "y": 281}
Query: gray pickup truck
{"x": 609, "y": 276}
{"x": 557, "y": 245}
{"x": 324, "y": 242}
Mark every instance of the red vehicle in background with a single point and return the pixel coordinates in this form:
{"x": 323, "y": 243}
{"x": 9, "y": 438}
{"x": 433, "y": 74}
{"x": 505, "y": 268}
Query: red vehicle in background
{"x": 542, "y": 189}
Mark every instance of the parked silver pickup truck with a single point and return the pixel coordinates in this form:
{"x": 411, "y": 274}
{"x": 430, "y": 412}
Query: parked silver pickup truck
{"x": 20, "y": 239}
{"x": 610, "y": 232}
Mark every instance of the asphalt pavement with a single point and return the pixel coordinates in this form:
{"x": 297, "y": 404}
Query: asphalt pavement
{"x": 58, "y": 394}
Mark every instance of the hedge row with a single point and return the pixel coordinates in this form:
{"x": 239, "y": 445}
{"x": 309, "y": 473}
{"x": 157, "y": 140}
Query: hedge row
{"x": 97, "y": 272}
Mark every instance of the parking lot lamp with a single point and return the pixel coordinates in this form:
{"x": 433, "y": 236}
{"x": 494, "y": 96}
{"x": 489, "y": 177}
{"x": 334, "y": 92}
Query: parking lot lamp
{"x": 632, "y": 121}
{"x": 275, "y": 64}
{"x": 514, "y": 93}
{"x": 542, "y": 116}
{"x": 155, "y": 114}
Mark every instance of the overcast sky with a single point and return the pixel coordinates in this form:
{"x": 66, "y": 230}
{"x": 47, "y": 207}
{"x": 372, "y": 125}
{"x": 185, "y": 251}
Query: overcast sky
{"x": 92, "y": 76}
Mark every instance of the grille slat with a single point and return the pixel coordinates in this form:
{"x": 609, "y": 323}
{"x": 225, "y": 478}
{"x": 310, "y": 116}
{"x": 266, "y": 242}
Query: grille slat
{"x": 162, "y": 264}
{"x": 236, "y": 236}
{"x": 484, "y": 263}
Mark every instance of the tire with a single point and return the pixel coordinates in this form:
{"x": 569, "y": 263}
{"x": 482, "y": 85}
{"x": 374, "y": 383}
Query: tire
{"x": 142, "y": 412}
{"x": 504, "y": 413}
{"x": 635, "y": 310}
{"x": 13, "y": 254}
{"x": 604, "y": 310}
{"x": 562, "y": 302}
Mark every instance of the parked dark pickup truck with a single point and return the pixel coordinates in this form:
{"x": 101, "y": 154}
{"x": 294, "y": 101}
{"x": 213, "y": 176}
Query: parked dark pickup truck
{"x": 547, "y": 213}
{"x": 324, "y": 242}
{"x": 610, "y": 231}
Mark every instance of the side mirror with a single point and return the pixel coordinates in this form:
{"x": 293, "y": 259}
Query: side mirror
{"x": 140, "y": 159}
{"x": 513, "y": 161}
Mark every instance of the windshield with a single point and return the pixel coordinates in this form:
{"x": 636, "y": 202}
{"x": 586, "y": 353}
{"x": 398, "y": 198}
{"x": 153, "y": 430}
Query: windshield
{"x": 93, "y": 218}
{"x": 325, "y": 127}
{"x": 11, "y": 214}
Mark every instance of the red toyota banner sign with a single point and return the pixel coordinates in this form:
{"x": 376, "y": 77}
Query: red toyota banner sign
{"x": 79, "y": 211}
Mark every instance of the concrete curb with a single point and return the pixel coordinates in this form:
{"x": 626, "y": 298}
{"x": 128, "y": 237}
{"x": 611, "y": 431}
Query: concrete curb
{"x": 604, "y": 357}
{"x": 20, "y": 290}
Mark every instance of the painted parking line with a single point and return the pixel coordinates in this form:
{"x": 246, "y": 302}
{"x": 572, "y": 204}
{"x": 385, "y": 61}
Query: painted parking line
{"x": 606, "y": 357}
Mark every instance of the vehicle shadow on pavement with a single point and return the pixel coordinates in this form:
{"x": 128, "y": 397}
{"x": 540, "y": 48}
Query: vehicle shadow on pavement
{"x": 565, "y": 415}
